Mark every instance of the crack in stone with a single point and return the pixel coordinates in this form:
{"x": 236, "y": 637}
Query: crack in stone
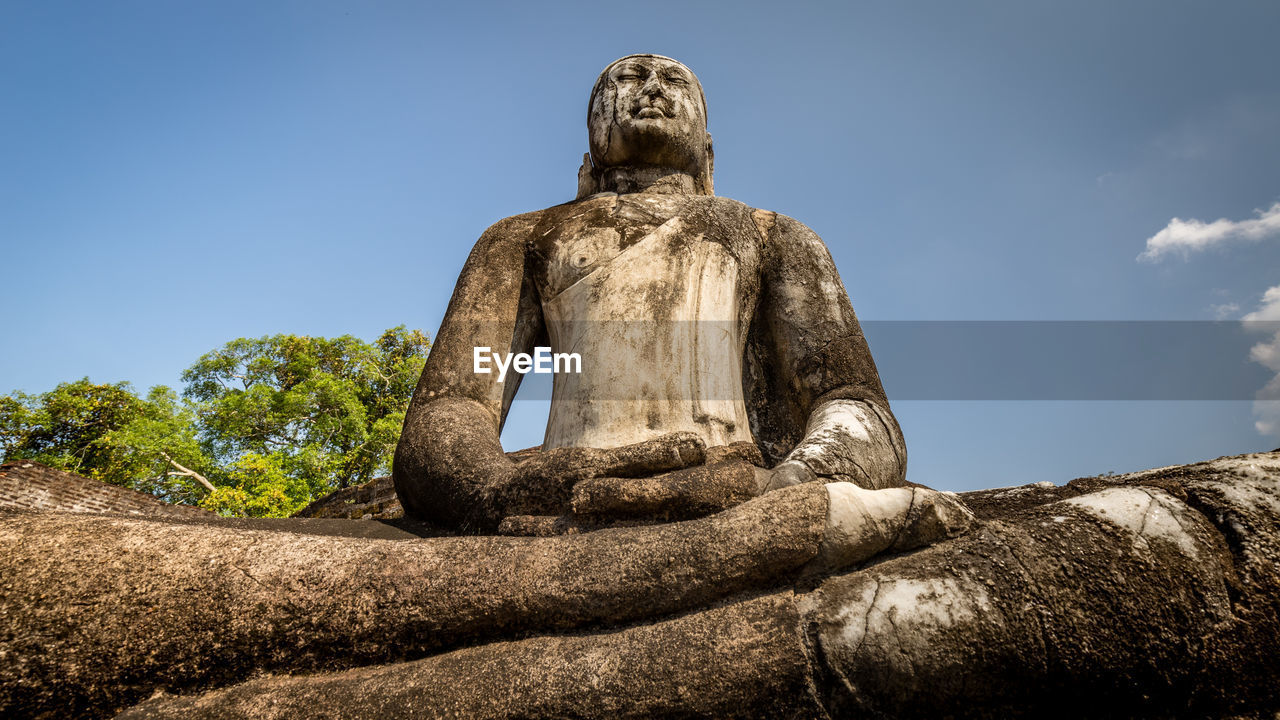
{"x": 1218, "y": 520}
{"x": 1038, "y": 596}
{"x": 1146, "y": 514}
{"x": 255, "y": 540}
{"x": 866, "y": 619}
{"x": 1231, "y": 539}
{"x": 815, "y": 660}
{"x": 906, "y": 521}
{"x": 866, "y": 476}
{"x": 902, "y": 646}
{"x": 613, "y": 119}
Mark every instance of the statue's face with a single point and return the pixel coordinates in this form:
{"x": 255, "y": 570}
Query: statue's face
{"x": 649, "y": 112}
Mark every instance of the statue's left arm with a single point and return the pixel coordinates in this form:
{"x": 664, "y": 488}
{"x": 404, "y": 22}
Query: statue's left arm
{"x": 831, "y": 383}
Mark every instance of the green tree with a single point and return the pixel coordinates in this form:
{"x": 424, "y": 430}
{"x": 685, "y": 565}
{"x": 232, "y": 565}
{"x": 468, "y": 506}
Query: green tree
{"x": 258, "y": 486}
{"x": 107, "y": 432}
{"x": 164, "y": 455}
{"x": 323, "y": 413}
{"x": 64, "y": 427}
{"x": 264, "y": 426}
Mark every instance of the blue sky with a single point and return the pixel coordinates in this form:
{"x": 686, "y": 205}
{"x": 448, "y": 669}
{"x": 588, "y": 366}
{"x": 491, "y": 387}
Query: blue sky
{"x": 176, "y": 175}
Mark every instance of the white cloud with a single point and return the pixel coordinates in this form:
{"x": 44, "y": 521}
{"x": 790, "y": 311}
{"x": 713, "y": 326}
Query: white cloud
{"x": 1182, "y": 237}
{"x": 1267, "y": 354}
{"x": 1267, "y": 407}
{"x": 1270, "y": 309}
{"x": 1267, "y": 412}
{"x": 1224, "y": 311}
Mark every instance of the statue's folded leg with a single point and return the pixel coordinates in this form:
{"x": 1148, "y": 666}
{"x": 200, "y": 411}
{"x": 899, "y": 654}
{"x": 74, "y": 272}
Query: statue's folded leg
{"x": 746, "y": 659}
{"x": 1151, "y": 598}
{"x": 104, "y": 610}
{"x": 100, "y": 611}
{"x": 1156, "y": 597}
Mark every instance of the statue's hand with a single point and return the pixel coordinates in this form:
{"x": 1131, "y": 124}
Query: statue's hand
{"x": 730, "y": 476}
{"x": 680, "y": 495}
{"x": 864, "y": 523}
{"x": 543, "y": 483}
{"x": 785, "y": 474}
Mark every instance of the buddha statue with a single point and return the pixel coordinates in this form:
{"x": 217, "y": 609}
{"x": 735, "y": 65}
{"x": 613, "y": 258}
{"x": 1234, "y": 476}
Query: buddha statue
{"x": 720, "y": 354}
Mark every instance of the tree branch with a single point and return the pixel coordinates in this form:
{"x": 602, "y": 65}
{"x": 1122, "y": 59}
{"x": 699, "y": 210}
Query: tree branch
{"x": 188, "y": 472}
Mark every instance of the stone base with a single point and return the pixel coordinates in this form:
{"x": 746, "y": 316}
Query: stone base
{"x": 1152, "y": 594}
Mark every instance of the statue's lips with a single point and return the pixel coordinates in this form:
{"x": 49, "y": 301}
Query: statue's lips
{"x": 651, "y": 112}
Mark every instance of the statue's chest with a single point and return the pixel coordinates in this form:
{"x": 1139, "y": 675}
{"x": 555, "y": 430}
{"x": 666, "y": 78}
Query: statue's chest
{"x": 647, "y": 239}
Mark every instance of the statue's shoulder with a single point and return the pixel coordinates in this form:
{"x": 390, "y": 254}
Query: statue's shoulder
{"x": 727, "y": 211}
{"x": 501, "y": 248}
{"x": 725, "y": 205}
{"x": 789, "y": 229}
{"x": 782, "y": 231}
{"x": 521, "y": 228}
{"x": 514, "y": 229}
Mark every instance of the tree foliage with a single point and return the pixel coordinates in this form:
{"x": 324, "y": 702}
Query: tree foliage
{"x": 67, "y": 426}
{"x": 268, "y": 423}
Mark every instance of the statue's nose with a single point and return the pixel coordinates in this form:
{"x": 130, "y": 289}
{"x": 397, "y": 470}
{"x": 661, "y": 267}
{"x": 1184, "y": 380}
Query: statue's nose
{"x": 652, "y": 87}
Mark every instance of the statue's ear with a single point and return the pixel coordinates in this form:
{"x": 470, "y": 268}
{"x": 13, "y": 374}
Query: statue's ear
{"x": 705, "y": 183}
{"x": 588, "y": 184}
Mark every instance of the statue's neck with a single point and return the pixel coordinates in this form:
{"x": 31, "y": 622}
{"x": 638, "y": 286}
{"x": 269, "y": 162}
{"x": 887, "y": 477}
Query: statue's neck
{"x": 624, "y": 180}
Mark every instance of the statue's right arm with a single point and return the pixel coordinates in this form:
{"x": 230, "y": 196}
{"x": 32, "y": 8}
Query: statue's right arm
{"x": 449, "y": 462}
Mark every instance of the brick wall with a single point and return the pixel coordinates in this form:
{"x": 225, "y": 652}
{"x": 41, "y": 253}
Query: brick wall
{"x": 374, "y": 500}
{"x": 26, "y": 484}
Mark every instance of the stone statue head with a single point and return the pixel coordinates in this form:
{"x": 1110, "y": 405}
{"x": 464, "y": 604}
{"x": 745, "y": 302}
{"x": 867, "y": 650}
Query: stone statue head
{"x": 647, "y": 111}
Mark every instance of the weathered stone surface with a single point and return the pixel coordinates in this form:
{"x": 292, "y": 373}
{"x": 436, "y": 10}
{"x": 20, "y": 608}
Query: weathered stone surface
{"x": 100, "y": 611}
{"x": 1147, "y": 595}
{"x": 746, "y": 659}
{"x": 679, "y": 495}
{"x": 1153, "y": 594}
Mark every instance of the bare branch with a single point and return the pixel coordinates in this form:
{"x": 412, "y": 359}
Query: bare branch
{"x": 188, "y": 472}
